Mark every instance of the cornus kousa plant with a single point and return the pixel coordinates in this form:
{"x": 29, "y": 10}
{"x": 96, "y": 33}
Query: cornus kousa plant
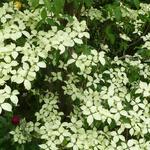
{"x": 77, "y": 75}
{"x": 24, "y": 50}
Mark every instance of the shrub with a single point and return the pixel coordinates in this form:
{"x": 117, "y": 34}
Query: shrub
{"x": 76, "y": 80}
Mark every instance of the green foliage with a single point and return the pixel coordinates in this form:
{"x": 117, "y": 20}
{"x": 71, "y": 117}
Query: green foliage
{"x": 44, "y": 14}
{"x": 110, "y": 34}
{"x": 34, "y": 3}
{"x": 137, "y": 3}
{"x": 77, "y": 73}
{"x": 58, "y": 6}
{"x": 47, "y": 4}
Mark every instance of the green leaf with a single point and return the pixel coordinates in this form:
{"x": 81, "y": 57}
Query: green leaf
{"x": 136, "y": 3}
{"x": 88, "y": 3}
{"x": 51, "y": 22}
{"x": 110, "y": 34}
{"x": 77, "y": 4}
{"x": 48, "y": 4}
{"x": 133, "y": 74}
{"x": 58, "y": 6}
{"x": 44, "y": 14}
{"x": 34, "y": 3}
{"x": 3, "y": 121}
{"x": 117, "y": 13}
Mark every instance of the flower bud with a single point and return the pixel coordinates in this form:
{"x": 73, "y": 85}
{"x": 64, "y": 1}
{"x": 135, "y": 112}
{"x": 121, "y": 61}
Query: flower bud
{"x": 15, "y": 120}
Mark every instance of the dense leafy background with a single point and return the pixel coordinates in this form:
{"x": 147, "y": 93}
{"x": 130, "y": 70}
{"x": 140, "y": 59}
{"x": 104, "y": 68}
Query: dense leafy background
{"x": 105, "y": 30}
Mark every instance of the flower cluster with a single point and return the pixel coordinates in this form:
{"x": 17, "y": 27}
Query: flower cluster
{"x": 90, "y": 100}
{"x": 23, "y": 49}
{"x": 109, "y": 104}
